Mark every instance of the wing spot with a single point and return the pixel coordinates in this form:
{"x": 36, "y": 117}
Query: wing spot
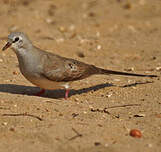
{"x": 72, "y": 67}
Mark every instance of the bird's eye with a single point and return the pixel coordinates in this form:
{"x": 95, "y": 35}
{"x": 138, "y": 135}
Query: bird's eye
{"x": 16, "y": 39}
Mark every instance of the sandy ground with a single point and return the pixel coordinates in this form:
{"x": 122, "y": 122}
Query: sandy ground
{"x": 101, "y": 110}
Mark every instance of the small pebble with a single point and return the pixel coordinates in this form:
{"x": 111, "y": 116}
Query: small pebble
{"x": 109, "y": 95}
{"x": 129, "y": 69}
{"x": 127, "y": 6}
{"x": 25, "y": 2}
{"x": 80, "y": 54}
{"x": 72, "y": 27}
{"x": 139, "y": 115}
{"x": 150, "y": 145}
{"x": 49, "y": 21}
{"x": 4, "y": 123}
{"x": 12, "y": 129}
{"x": 99, "y": 47}
{"x": 158, "y": 68}
{"x": 60, "y": 114}
{"x": 62, "y": 29}
{"x": 98, "y": 34}
{"x": 91, "y": 14}
{"x": 97, "y": 143}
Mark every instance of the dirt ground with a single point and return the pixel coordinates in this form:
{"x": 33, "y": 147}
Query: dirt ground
{"x": 101, "y": 110}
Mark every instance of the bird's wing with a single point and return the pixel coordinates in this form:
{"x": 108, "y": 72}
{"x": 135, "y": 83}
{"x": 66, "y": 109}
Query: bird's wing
{"x": 62, "y": 69}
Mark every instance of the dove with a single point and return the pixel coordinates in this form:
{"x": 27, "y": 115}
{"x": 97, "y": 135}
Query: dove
{"x": 50, "y": 71}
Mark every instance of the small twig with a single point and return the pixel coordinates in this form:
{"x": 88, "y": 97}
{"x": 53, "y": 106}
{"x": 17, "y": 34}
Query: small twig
{"x": 126, "y": 105}
{"x": 105, "y": 110}
{"x": 76, "y": 136}
{"x": 23, "y": 114}
{"x": 135, "y": 84}
{"x": 100, "y": 110}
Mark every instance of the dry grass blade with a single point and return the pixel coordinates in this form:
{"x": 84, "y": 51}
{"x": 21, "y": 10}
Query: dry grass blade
{"x": 22, "y": 114}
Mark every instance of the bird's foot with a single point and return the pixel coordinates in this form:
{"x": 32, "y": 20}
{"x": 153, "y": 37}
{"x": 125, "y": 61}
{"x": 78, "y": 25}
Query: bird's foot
{"x": 42, "y": 91}
{"x": 66, "y": 94}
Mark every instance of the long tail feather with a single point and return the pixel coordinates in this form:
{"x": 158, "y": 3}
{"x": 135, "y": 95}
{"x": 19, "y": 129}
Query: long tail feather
{"x": 104, "y": 71}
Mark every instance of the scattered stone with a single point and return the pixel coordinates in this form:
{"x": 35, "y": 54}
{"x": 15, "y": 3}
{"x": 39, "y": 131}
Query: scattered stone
{"x": 4, "y": 123}
{"x": 97, "y": 143}
{"x": 109, "y": 95}
{"x": 129, "y": 69}
{"x": 127, "y": 6}
{"x": 72, "y": 27}
{"x": 80, "y": 54}
{"x": 158, "y": 68}
{"x": 12, "y": 129}
{"x": 91, "y": 14}
{"x": 98, "y": 34}
{"x": 62, "y": 29}
{"x": 60, "y": 114}
{"x": 139, "y": 115}
{"x": 150, "y": 145}
{"x": 154, "y": 58}
{"x": 49, "y": 20}
{"x": 25, "y": 2}
{"x": 99, "y": 47}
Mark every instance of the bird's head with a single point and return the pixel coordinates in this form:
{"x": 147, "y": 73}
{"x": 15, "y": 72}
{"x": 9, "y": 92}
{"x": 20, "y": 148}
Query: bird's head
{"x": 17, "y": 40}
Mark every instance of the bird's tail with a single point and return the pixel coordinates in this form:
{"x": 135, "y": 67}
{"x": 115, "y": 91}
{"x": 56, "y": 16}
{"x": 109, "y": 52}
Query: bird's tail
{"x": 107, "y": 72}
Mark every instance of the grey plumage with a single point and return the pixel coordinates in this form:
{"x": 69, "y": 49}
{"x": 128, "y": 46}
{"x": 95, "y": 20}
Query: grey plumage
{"x": 48, "y": 70}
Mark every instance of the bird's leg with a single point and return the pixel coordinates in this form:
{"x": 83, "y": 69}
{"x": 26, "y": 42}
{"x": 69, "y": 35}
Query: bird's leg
{"x": 66, "y": 93}
{"x": 42, "y": 91}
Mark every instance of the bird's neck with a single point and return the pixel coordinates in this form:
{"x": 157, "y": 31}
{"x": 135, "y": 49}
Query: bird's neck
{"x": 23, "y": 54}
{"x": 27, "y": 60}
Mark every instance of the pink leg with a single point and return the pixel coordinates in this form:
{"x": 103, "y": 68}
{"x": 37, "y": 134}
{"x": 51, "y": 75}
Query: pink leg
{"x": 66, "y": 94}
{"x": 40, "y": 92}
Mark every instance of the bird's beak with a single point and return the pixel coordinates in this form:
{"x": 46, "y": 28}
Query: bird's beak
{"x": 7, "y": 46}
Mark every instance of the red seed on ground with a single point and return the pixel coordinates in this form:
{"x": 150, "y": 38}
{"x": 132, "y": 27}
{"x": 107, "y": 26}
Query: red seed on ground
{"x": 135, "y": 133}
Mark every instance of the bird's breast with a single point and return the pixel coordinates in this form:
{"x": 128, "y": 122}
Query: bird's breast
{"x": 29, "y": 65}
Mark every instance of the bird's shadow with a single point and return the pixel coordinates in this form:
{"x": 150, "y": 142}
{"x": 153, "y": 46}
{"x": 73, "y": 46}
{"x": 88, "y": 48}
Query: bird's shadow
{"x": 57, "y": 94}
